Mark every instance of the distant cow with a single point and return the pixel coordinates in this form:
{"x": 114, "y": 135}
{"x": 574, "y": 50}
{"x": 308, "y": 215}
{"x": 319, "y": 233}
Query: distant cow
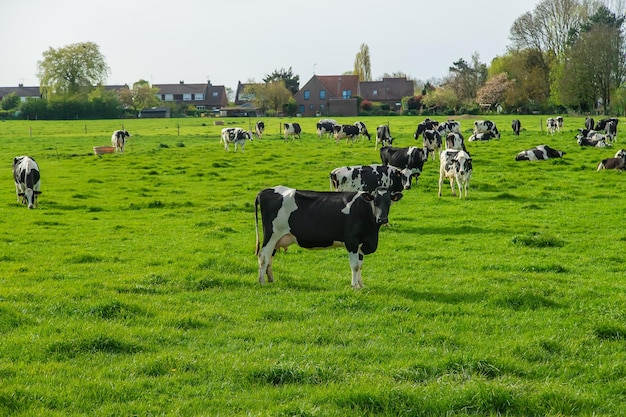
{"x": 235, "y": 135}
{"x": 426, "y": 124}
{"x": 410, "y": 160}
{"x": 609, "y": 126}
{"x": 325, "y": 128}
{"x": 551, "y": 125}
{"x": 618, "y": 162}
{"x": 516, "y": 125}
{"x": 590, "y": 124}
{"x": 599, "y": 141}
{"x": 259, "y": 128}
{"x": 559, "y": 123}
{"x": 118, "y": 140}
{"x": 292, "y": 129}
{"x": 313, "y": 219}
{"x": 346, "y": 131}
{"x": 369, "y": 177}
{"x": 457, "y": 167}
{"x": 455, "y": 141}
{"x": 539, "y": 153}
{"x": 432, "y": 143}
{"x": 383, "y": 136}
{"x": 481, "y": 136}
{"x": 27, "y": 180}
{"x": 484, "y": 126}
{"x": 449, "y": 126}
{"x": 363, "y": 130}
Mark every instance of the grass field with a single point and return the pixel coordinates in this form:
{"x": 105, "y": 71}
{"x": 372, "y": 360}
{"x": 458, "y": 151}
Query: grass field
{"x": 132, "y": 289}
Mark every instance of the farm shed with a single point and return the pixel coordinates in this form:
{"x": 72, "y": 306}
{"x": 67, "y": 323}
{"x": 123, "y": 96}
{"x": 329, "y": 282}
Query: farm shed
{"x": 155, "y": 112}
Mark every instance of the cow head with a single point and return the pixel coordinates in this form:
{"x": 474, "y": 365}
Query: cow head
{"x": 621, "y": 154}
{"x": 380, "y": 201}
{"x": 30, "y": 197}
{"x": 462, "y": 163}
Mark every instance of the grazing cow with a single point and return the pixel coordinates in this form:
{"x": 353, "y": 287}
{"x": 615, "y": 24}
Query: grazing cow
{"x": 346, "y": 131}
{"x": 455, "y": 140}
{"x": 363, "y": 130}
{"x": 292, "y": 129}
{"x": 602, "y": 123}
{"x": 590, "y": 124}
{"x": 449, "y": 126}
{"x": 313, "y": 219}
{"x": 609, "y": 126}
{"x": 410, "y": 160}
{"x": 432, "y": 143}
{"x": 484, "y": 126}
{"x": 598, "y": 141}
{"x": 551, "y": 125}
{"x": 539, "y": 153}
{"x": 259, "y": 128}
{"x": 481, "y": 136}
{"x": 325, "y": 128}
{"x": 369, "y": 177}
{"x": 425, "y": 125}
{"x": 383, "y": 136}
{"x": 618, "y": 162}
{"x": 455, "y": 165}
{"x": 118, "y": 140}
{"x": 235, "y": 135}
{"x": 27, "y": 180}
{"x": 559, "y": 123}
{"x": 516, "y": 125}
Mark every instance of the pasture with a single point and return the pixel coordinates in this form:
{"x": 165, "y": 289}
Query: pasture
{"x": 132, "y": 289}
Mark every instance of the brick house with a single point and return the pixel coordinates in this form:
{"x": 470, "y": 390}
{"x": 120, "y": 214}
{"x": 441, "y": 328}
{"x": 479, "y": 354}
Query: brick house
{"x": 389, "y": 91}
{"x": 20, "y": 91}
{"x": 329, "y": 95}
{"x": 203, "y": 96}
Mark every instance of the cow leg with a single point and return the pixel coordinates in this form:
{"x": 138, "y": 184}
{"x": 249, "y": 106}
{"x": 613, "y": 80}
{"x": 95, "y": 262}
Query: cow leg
{"x": 356, "y": 264}
{"x": 266, "y": 258}
{"x": 452, "y": 186}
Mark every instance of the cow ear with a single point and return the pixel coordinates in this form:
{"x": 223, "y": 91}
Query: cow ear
{"x": 396, "y": 196}
{"x": 367, "y": 197}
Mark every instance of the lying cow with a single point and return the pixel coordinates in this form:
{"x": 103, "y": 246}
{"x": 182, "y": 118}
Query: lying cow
{"x": 383, "y": 136}
{"x": 27, "y": 180}
{"x": 346, "y": 131}
{"x": 618, "y": 162}
{"x": 409, "y": 160}
{"x": 363, "y": 130}
{"x": 482, "y": 136}
{"x": 292, "y": 129}
{"x": 118, "y": 140}
{"x": 598, "y": 142}
{"x": 455, "y": 165}
{"x": 369, "y": 177}
{"x": 539, "y": 153}
{"x": 259, "y": 128}
{"x": 516, "y": 125}
{"x": 235, "y": 135}
{"x": 313, "y": 219}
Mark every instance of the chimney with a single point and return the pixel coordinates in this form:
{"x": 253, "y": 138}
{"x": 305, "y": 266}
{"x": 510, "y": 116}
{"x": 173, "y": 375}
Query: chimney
{"x": 181, "y": 82}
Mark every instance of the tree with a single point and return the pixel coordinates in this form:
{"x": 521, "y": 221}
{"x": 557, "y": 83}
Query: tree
{"x": 362, "y": 64}
{"x": 465, "y": 78}
{"x": 494, "y": 89}
{"x": 441, "y": 99}
{"x": 291, "y": 81}
{"x": 271, "y": 95}
{"x": 71, "y": 69}
{"x": 140, "y": 97}
{"x": 10, "y": 102}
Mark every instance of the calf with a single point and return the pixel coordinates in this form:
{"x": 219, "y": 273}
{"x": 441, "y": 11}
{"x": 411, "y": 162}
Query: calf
{"x": 539, "y": 153}
{"x": 292, "y": 129}
{"x": 363, "y": 130}
{"x": 455, "y": 165}
{"x": 432, "y": 143}
{"x": 485, "y": 126}
{"x": 618, "y": 162}
{"x": 551, "y": 125}
{"x": 346, "y": 131}
{"x": 409, "y": 160}
{"x": 516, "y": 125}
{"x": 118, "y": 140}
{"x": 455, "y": 141}
{"x": 259, "y": 128}
{"x": 383, "y": 136}
{"x": 369, "y": 177}
{"x": 27, "y": 180}
{"x": 235, "y": 135}
{"x": 313, "y": 219}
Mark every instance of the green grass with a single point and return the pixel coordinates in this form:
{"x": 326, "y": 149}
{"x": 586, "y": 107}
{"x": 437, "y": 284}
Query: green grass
{"x": 132, "y": 289}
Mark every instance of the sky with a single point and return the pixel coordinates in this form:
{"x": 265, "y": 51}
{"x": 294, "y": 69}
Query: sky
{"x": 227, "y": 41}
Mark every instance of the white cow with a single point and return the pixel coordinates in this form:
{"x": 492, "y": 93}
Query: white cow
{"x": 118, "y": 140}
{"x": 455, "y": 165}
{"x": 235, "y": 135}
{"x": 552, "y": 125}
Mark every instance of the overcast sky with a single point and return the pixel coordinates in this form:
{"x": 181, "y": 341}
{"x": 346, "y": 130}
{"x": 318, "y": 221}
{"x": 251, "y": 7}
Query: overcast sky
{"x": 226, "y": 41}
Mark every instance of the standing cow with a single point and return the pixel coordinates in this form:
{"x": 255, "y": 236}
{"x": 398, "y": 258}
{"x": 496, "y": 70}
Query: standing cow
{"x": 236, "y": 135}
{"x": 383, "y": 136}
{"x": 118, "y": 140}
{"x": 292, "y": 129}
{"x": 314, "y": 219}
{"x": 432, "y": 143}
{"x": 486, "y": 126}
{"x": 259, "y": 128}
{"x": 27, "y": 180}
{"x": 455, "y": 165}
{"x": 410, "y": 160}
{"x": 363, "y": 130}
{"x": 369, "y": 177}
{"x": 346, "y": 131}
{"x": 551, "y": 125}
{"x": 516, "y": 125}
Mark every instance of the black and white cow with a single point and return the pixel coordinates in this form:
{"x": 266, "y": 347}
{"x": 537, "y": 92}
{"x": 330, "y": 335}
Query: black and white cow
{"x": 450, "y": 126}
{"x": 235, "y": 135}
{"x": 432, "y": 143}
{"x": 325, "y": 128}
{"x": 27, "y": 180}
{"x": 369, "y": 177}
{"x": 292, "y": 129}
{"x": 409, "y": 160}
{"x": 481, "y": 136}
{"x": 609, "y": 126}
{"x": 484, "y": 126}
{"x": 516, "y": 125}
{"x": 455, "y": 140}
{"x": 598, "y": 141}
{"x": 346, "y": 131}
{"x": 455, "y": 165}
{"x": 259, "y": 128}
{"x": 617, "y": 162}
{"x": 551, "y": 125}
{"x": 539, "y": 153}
{"x": 559, "y": 123}
{"x": 363, "y": 130}
{"x": 118, "y": 140}
{"x": 426, "y": 124}
{"x": 590, "y": 124}
{"x": 314, "y": 219}
{"x": 383, "y": 136}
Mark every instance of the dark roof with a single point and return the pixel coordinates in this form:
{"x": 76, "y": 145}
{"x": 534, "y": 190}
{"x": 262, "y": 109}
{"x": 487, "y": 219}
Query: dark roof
{"x": 336, "y": 84}
{"x": 20, "y": 91}
{"x": 387, "y": 89}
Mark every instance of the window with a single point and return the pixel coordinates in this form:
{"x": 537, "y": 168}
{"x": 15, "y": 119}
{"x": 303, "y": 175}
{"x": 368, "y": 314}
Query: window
{"x": 201, "y": 107}
{"x": 375, "y": 92}
{"x": 307, "y": 94}
{"x": 322, "y": 94}
{"x": 200, "y": 96}
{"x": 187, "y": 97}
{"x": 346, "y": 93}
{"x": 301, "y": 108}
{"x": 215, "y": 94}
{"x": 168, "y": 97}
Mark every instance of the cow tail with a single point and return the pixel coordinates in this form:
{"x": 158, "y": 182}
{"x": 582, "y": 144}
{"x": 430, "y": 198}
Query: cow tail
{"x": 256, "y": 225}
